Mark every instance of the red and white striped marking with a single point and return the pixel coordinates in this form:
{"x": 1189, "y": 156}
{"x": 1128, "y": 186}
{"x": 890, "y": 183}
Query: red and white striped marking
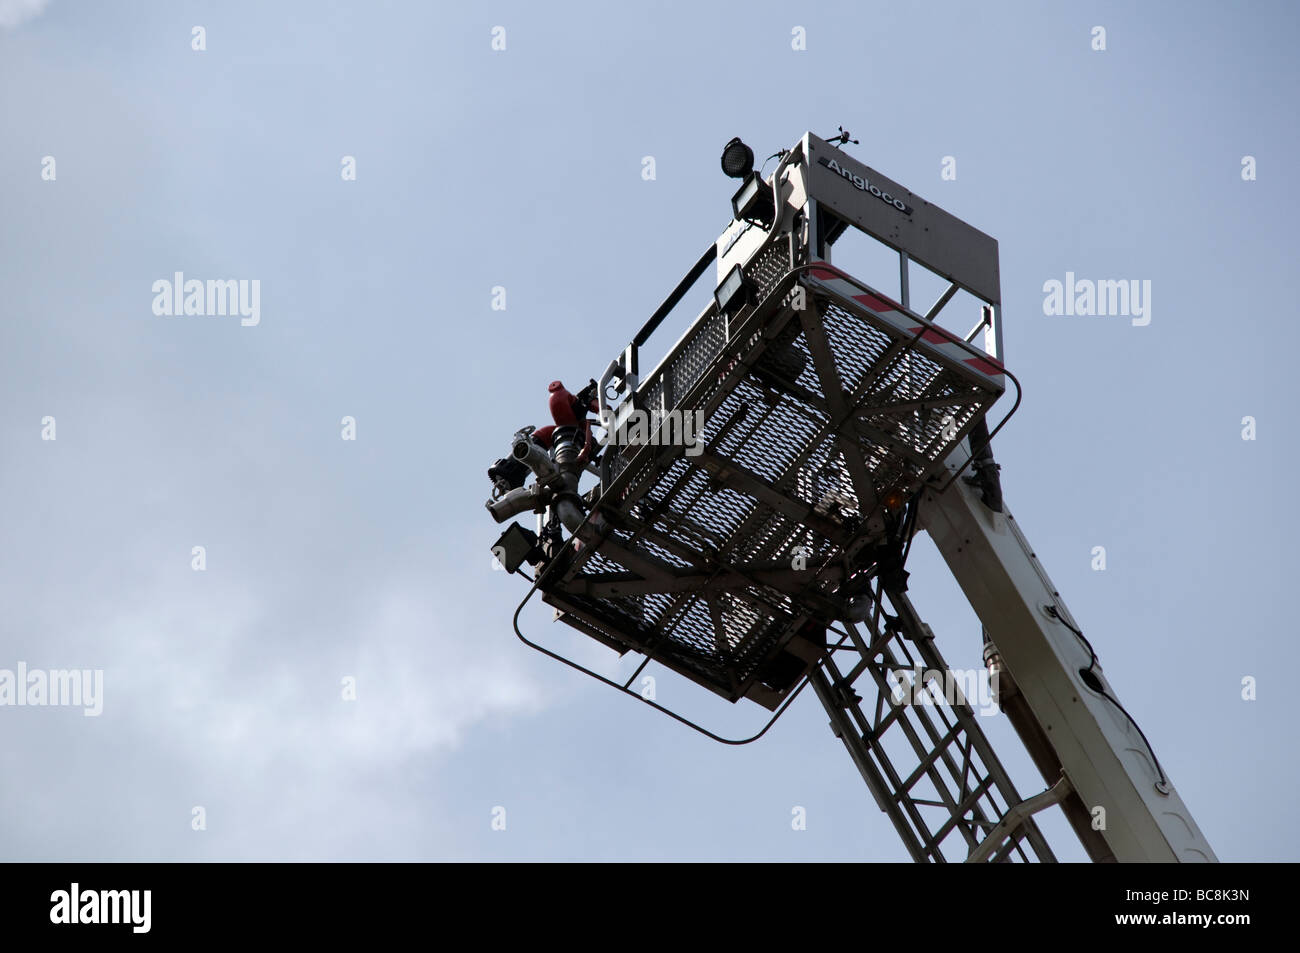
{"x": 936, "y": 338}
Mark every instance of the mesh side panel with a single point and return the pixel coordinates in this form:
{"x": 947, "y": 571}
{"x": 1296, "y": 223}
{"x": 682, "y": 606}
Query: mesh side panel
{"x": 912, "y": 377}
{"x": 769, "y": 266}
{"x": 857, "y": 345}
{"x": 788, "y": 360}
{"x": 664, "y": 555}
{"x": 772, "y": 482}
{"x": 652, "y": 397}
{"x": 699, "y": 352}
{"x": 823, "y": 481}
{"x": 696, "y": 515}
{"x": 772, "y": 435}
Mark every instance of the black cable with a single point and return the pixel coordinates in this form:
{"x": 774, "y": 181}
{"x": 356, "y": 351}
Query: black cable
{"x": 1092, "y": 663}
{"x": 775, "y": 155}
{"x": 1056, "y": 614}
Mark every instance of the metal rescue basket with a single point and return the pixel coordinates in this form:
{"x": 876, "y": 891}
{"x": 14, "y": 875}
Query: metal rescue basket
{"x": 822, "y": 407}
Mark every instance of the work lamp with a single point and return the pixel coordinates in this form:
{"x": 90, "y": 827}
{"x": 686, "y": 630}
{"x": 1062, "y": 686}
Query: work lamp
{"x": 737, "y": 159}
{"x": 733, "y": 292}
{"x": 753, "y": 201}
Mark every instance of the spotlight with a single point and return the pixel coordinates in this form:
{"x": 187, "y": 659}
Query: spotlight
{"x": 753, "y": 201}
{"x": 737, "y": 159}
{"x": 517, "y": 546}
{"x": 734, "y": 291}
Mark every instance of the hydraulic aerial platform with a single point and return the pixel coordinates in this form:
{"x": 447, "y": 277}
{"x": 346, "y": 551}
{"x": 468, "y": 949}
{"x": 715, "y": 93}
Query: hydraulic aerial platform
{"x": 754, "y": 502}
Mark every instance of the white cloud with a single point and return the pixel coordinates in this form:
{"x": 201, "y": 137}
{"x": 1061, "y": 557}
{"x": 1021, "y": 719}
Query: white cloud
{"x": 14, "y": 12}
{"x": 209, "y": 680}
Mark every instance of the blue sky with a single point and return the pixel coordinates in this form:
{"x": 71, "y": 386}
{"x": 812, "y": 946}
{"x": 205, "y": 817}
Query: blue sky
{"x": 521, "y": 168}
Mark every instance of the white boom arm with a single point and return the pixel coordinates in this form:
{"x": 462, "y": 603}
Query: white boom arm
{"x": 1100, "y": 752}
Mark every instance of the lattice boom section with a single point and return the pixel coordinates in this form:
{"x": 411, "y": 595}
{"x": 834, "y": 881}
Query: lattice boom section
{"x": 714, "y": 541}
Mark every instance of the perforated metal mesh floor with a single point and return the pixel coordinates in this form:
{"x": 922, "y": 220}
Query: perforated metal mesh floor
{"x": 726, "y": 564}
